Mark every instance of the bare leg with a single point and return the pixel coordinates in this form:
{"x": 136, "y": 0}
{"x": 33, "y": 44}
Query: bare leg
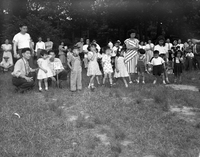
{"x": 46, "y": 84}
{"x": 138, "y": 79}
{"x": 91, "y": 84}
{"x": 110, "y": 78}
{"x": 143, "y": 77}
{"x": 125, "y": 82}
{"x": 97, "y": 78}
{"x": 40, "y": 85}
{"x": 104, "y": 79}
{"x": 163, "y": 77}
{"x": 130, "y": 81}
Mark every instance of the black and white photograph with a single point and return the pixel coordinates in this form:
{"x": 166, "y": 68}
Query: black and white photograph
{"x": 99, "y": 78}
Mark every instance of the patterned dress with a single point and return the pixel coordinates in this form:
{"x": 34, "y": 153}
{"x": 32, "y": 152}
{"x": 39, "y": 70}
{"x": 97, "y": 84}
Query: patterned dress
{"x": 93, "y": 66}
{"x": 131, "y": 55}
{"x": 107, "y": 66}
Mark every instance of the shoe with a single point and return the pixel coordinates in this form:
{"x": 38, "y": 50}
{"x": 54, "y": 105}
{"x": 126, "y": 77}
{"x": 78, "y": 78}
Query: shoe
{"x": 137, "y": 81}
{"x": 154, "y": 82}
{"x": 46, "y": 89}
{"x": 164, "y": 82}
{"x": 126, "y": 85}
{"x": 130, "y": 82}
{"x": 89, "y": 86}
{"x": 143, "y": 82}
{"x": 40, "y": 89}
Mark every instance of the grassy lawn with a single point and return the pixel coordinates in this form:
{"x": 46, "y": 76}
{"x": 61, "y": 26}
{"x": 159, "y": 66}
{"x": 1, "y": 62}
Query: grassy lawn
{"x": 110, "y": 122}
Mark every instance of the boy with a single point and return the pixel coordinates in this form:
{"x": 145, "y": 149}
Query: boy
{"x": 6, "y": 66}
{"x": 74, "y": 63}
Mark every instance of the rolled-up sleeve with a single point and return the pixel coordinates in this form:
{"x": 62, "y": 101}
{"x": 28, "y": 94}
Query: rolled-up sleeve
{"x": 17, "y": 70}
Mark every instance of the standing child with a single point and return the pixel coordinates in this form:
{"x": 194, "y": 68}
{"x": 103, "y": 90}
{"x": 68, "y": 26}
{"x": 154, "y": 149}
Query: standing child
{"x": 158, "y": 67}
{"x": 107, "y": 66}
{"x": 141, "y": 65}
{"x": 74, "y": 63}
{"x": 120, "y": 67}
{"x": 93, "y": 66}
{"x": 177, "y": 66}
{"x": 44, "y": 70}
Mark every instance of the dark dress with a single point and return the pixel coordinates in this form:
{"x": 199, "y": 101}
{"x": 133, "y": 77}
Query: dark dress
{"x": 178, "y": 67}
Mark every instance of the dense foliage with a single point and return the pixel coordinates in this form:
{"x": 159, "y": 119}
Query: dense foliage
{"x": 102, "y": 19}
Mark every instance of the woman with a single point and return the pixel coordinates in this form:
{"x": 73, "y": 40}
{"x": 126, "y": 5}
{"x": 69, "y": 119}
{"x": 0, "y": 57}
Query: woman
{"x": 132, "y": 45}
{"x": 7, "y": 52}
{"x": 62, "y": 49}
{"x": 149, "y": 51}
{"x": 48, "y": 45}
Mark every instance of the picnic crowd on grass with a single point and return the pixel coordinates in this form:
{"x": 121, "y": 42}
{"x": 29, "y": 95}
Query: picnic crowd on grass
{"x": 118, "y": 60}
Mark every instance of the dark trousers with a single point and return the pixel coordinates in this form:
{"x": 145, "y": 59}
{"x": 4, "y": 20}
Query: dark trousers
{"x": 196, "y": 62}
{"x": 22, "y": 84}
{"x": 188, "y": 63}
{"x": 62, "y": 76}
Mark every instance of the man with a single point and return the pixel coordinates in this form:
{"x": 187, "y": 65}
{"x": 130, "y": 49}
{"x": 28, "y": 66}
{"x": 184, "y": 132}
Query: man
{"x": 57, "y": 68}
{"x": 85, "y": 51}
{"x": 40, "y": 45}
{"x": 48, "y": 45}
{"x": 23, "y": 75}
{"x": 80, "y": 46}
{"x": 97, "y": 45}
{"x": 22, "y": 40}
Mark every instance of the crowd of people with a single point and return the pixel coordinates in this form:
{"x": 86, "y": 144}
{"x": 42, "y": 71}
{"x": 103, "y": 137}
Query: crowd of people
{"x": 114, "y": 61}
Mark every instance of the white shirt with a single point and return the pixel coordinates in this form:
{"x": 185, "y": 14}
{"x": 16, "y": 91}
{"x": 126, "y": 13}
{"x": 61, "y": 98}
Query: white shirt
{"x": 181, "y": 46}
{"x": 149, "y": 46}
{"x": 40, "y": 45}
{"x": 110, "y": 44}
{"x": 157, "y": 61}
{"x": 22, "y": 40}
{"x": 168, "y": 46}
{"x": 161, "y": 49}
{"x": 114, "y": 50}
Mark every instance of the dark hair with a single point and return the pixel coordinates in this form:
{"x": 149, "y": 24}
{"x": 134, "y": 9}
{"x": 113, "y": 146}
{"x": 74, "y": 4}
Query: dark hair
{"x": 179, "y": 51}
{"x": 156, "y": 52}
{"x": 75, "y": 47}
{"x": 131, "y": 31}
{"x": 160, "y": 38}
{"x": 43, "y": 52}
{"x": 22, "y": 24}
{"x": 119, "y": 51}
{"x": 141, "y": 51}
{"x": 26, "y": 49}
{"x": 92, "y": 44}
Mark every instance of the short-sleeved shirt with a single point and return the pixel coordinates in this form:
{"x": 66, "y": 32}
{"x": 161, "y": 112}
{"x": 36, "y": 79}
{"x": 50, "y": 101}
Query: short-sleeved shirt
{"x": 157, "y": 61}
{"x": 161, "y": 49}
{"x": 56, "y": 65}
{"x": 22, "y": 40}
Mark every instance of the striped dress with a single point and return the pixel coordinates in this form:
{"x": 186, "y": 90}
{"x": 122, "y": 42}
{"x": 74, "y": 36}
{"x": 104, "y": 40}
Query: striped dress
{"x": 131, "y": 55}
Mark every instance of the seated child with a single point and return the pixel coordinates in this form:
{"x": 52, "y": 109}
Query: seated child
{"x": 5, "y": 64}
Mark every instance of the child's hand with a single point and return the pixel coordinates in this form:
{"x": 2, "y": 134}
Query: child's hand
{"x": 117, "y": 70}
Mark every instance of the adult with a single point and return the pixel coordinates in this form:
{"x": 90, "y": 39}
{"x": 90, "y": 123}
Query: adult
{"x": 180, "y": 44}
{"x": 196, "y": 50}
{"x": 62, "y": 50}
{"x": 7, "y": 48}
{"x": 20, "y": 41}
{"x": 110, "y": 44}
{"x": 163, "y": 52}
{"x": 97, "y": 45}
{"x": 23, "y": 75}
{"x": 48, "y": 45}
{"x": 85, "y": 51}
{"x": 80, "y": 46}
{"x": 149, "y": 50}
{"x": 40, "y": 45}
{"x": 132, "y": 45}
{"x": 57, "y": 68}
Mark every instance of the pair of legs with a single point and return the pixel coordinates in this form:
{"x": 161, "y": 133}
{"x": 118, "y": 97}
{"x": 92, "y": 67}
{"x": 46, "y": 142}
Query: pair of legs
{"x": 156, "y": 77}
{"x": 110, "y": 78}
{"x": 124, "y": 80}
{"x": 141, "y": 75}
{"x": 76, "y": 80}
{"x": 177, "y": 77}
{"x": 45, "y": 84}
{"x": 91, "y": 84}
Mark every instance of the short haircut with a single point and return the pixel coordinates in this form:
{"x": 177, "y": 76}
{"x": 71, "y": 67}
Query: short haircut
{"x": 156, "y": 52}
{"x": 141, "y": 51}
{"x": 43, "y": 52}
{"x": 75, "y": 47}
{"x": 131, "y": 31}
{"x": 22, "y": 24}
{"x": 51, "y": 51}
{"x": 26, "y": 49}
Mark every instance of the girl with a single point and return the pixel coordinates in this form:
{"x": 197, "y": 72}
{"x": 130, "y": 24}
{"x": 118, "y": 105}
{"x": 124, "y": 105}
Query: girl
{"x": 93, "y": 66}
{"x": 7, "y": 48}
{"x": 44, "y": 70}
{"x": 158, "y": 67}
{"x": 149, "y": 51}
{"x": 74, "y": 62}
{"x": 141, "y": 65}
{"x": 177, "y": 66}
{"x": 107, "y": 66}
{"x": 120, "y": 67}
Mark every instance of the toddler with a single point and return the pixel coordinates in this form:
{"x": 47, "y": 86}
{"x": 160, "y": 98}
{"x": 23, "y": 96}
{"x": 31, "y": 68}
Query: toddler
{"x": 141, "y": 65}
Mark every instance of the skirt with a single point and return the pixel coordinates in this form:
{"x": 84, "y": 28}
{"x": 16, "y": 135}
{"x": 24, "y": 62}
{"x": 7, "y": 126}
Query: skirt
{"x": 158, "y": 70}
{"x": 178, "y": 69}
{"x": 62, "y": 58}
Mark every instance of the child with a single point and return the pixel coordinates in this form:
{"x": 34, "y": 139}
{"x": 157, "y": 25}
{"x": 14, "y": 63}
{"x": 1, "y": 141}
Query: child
{"x": 158, "y": 67}
{"x": 107, "y": 66}
{"x": 120, "y": 67}
{"x": 74, "y": 63}
{"x": 141, "y": 65}
{"x": 44, "y": 70}
{"x": 189, "y": 59}
{"x": 177, "y": 65}
{"x": 5, "y": 64}
{"x": 93, "y": 66}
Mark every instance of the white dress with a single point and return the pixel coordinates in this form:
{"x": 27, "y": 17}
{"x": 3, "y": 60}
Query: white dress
{"x": 107, "y": 66}
{"x": 7, "y": 48}
{"x": 44, "y": 64}
{"x": 123, "y": 72}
